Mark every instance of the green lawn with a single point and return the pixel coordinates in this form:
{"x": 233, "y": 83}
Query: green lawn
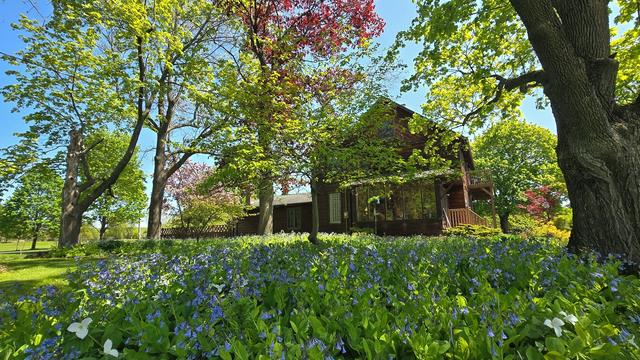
{"x": 25, "y": 245}
{"x": 17, "y": 273}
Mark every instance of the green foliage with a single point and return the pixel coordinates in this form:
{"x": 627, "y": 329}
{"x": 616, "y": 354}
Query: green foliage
{"x": 521, "y": 156}
{"x": 349, "y": 297}
{"x": 472, "y": 230}
{"x": 33, "y": 209}
{"x": 126, "y": 201}
{"x": 564, "y": 219}
{"x": 470, "y": 49}
{"x": 528, "y": 227}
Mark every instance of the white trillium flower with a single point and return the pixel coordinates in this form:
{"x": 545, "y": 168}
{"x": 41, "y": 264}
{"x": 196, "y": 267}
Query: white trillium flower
{"x": 108, "y": 348}
{"x": 570, "y": 318}
{"x": 556, "y": 324}
{"x": 81, "y": 329}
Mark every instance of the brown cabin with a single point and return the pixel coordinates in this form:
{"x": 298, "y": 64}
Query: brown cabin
{"x": 428, "y": 203}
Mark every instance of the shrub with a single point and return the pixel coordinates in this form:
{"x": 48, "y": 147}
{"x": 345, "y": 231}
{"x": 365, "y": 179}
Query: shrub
{"x": 472, "y": 230}
{"x": 522, "y": 223}
{"x": 564, "y": 220}
{"x": 549, "y": 230}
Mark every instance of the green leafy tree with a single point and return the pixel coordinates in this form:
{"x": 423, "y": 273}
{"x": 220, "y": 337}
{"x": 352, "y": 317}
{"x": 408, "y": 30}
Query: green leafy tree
{"x": 33, "y": 209}
{"x": 336, "y": 141}
{"x": 521, "y": 156}
{"x": 188, "y": 34}
{"x": 85, "y": 69}
{"x": 482, "y": 58}
{"x": 125, "y": 202}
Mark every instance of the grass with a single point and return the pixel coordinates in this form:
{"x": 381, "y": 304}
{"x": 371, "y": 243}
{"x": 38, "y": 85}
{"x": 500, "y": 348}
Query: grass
{"x": 21, "y": 274}
{"x": 25, "y": 246}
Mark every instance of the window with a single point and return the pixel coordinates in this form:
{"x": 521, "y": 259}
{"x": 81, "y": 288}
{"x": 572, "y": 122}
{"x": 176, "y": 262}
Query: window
{"x": 429, "y": 208}
{"x": 335, "y": 208}
{"x": 294, "y": 218}
{"x": 412, "y": 202}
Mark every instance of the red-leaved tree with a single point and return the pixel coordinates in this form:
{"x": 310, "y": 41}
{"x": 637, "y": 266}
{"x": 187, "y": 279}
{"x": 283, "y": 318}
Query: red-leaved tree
{"x": 542, "y": 203}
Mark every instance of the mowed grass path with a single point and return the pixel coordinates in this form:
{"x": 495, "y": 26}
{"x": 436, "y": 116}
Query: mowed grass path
{"x": 21, "y": 274}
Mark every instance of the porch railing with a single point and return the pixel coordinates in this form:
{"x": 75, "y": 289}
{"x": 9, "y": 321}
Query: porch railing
{"x": 462, "y": 216}
{"x": 480, "y": 178}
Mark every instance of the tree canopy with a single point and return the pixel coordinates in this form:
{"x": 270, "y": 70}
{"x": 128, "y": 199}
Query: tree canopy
{"x": 521, "y": 157}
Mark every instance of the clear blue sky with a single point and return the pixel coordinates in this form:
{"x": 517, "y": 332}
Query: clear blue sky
{"x": 397, "y": 14}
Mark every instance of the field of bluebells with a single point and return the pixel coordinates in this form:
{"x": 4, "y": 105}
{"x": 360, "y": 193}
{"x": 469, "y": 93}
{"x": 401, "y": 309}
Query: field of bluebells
{"x": 351, "y": 297}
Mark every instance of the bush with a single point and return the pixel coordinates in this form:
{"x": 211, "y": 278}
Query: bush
{"x": 549, "y": 230}
{"x": 564, "y": 219}
{"x": 362, "y": 231}
{"x": 522, "y": 223}
{"x": 472, "y": 230}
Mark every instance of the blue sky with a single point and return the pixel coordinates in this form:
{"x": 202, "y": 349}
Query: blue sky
{"x": 396, "y": 13}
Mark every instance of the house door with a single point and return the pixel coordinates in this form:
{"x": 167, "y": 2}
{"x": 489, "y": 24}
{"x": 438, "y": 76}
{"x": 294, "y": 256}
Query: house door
{"x": 294, "y": 219}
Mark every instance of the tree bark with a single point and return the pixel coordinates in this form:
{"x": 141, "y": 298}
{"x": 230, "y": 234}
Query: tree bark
{"x": 265, "y": 217}
{"x": 71, "y": 220}
{"x": 315, "y": 213}
{"x": 103, "y": 228}
{"x": 35, "y": 237}
{"x": 158, "y": 185}
{"x": 598, "y": 148}
{"x": 504, "y": 223}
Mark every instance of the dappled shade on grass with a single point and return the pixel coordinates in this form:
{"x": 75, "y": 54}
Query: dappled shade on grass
{"x": 25, "y": 274}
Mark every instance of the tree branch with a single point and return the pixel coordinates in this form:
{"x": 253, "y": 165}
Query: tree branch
{"x": 523, "y": 82}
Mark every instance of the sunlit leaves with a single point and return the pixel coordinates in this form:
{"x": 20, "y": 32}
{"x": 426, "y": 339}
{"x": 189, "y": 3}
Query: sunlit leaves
{"x": 521, "y": 156}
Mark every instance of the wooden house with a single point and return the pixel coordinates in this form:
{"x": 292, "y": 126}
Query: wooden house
{"x": 427, "y": 203}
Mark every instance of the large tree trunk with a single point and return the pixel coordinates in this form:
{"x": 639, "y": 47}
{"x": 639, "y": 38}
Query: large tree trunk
{"x": 504, "y": 223}
{"x": 158, "y": 185}
{"x": 598, "y": 147}
{"x": 315, "y": 213}
{"x": 265, "y": 217}
{"x": 71, "y": 218}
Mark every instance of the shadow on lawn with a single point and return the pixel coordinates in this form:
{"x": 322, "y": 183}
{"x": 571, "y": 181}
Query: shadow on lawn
{"x": 21, "y": 276}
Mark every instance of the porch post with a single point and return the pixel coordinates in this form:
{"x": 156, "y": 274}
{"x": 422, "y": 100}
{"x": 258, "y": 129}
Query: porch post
{"x": 493, "y": 208}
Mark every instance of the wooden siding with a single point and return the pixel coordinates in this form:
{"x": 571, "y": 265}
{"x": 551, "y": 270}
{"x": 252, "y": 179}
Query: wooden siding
{"x": 323, "y": 210}
{"x": 280, "y": 218}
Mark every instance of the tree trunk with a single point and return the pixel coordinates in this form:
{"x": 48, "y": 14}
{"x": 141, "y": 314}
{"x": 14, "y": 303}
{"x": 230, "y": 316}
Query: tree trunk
{"x": 605, "y": 197}
{"x": 265, "y": 217}
{"x": 154, "y": 225}
{"x": 315, "y": 213}
{"x": 103, "y": 228}
{"x": 35, "y": 237}
{"x": 71, "y": 219}
{"x": 504, "y": 223}
{"x": 598, "y": 148}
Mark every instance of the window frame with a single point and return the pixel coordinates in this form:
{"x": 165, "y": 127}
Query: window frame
{"x": 335, "y": 208}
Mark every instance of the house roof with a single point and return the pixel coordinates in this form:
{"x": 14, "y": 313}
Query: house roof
{"x": 289, "y": 199}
